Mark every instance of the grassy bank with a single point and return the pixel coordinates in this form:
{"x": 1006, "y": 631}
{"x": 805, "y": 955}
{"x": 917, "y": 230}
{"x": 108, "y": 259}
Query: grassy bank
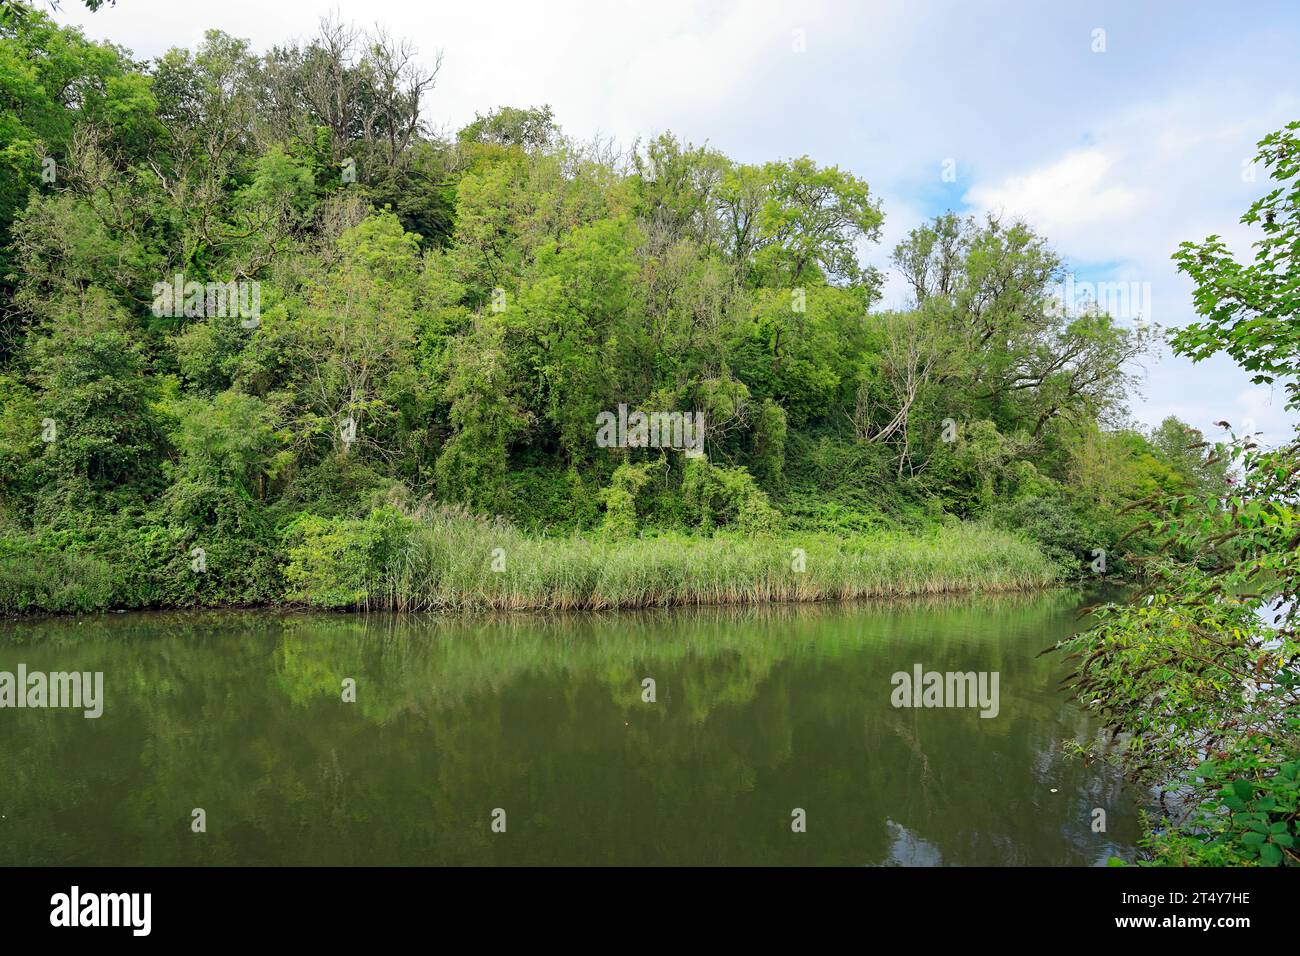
{"x": 448, "y": 560}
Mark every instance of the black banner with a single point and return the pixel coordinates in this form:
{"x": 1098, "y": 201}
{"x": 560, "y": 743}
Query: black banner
{"x": 334, "y": 906}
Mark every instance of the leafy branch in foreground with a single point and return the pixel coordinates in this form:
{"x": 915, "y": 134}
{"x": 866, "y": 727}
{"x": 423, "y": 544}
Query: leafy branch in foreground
{"x": 1195, "y": 678}
{"x": 1250, "y": 309}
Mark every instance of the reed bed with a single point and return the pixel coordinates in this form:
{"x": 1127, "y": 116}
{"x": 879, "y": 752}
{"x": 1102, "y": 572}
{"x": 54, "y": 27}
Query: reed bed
{"x": 446, "y": 563}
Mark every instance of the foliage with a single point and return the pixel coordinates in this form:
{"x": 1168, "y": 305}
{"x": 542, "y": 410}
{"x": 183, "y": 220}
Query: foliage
{"x": 1252, "y": 817}
{"x": 51, "y": 582}
{"x": 1250, "y": 308}
{"x": 620, "y": 498}
{"x": 1197, "y": 676}
{"x": 338, "y": 562}
{"x": 718, "y": 495}
{"x": 442, "y": 318}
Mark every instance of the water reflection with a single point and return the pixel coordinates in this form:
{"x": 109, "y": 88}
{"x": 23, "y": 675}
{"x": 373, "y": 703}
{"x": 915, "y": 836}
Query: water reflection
{"x": 758, "y": 711}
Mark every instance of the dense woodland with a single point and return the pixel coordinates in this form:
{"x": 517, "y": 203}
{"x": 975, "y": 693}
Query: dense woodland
{"x": 443, "y": 317}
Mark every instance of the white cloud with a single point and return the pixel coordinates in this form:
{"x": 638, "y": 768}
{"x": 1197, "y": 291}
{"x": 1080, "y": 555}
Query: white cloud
{"x": 1154, "y": 174}
{"x": 623, "y": 70}
{"x": 1075, "y": 193}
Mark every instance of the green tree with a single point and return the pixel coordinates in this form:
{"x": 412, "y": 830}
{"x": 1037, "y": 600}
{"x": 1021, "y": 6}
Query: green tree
{"x": 95, "y": 390}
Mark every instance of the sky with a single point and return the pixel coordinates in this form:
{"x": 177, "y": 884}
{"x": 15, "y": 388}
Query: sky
{"x": 1117, "y": 130}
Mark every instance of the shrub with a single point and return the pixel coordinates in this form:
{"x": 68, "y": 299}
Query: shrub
{"x": 343, "y": 562}
{"x": 726, "y": 496}
{"x": 1048, "y": 519}
{"x": 620, "y": 498}
{"x": 1252, "y": 819}
{"x": 769, "y": 443}
{"x": 49, "y": 581}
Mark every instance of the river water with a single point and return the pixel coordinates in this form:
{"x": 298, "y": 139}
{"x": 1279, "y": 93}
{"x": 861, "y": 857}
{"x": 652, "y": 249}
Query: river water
{"x": 772, "y": 737}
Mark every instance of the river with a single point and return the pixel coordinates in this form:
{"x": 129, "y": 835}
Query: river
{"x": 706, "y": 736}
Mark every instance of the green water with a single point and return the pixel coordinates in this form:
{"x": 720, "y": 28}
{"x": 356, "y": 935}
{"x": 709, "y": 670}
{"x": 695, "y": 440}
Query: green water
{"x": 757, "y": 712}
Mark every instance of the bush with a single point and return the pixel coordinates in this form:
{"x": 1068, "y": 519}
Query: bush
{"x": 769, "y": 443}
{"x": 343, "y": 562}
{"x": 971, "y": 471}
{"x": 620, "y": 498}
{"x": 726, "y": 496}
{"x": 48, "y": 581}
{"x": 1253, "y": 818}
{"x": 547, "y": 496}
{"x": 1050, "y": 521}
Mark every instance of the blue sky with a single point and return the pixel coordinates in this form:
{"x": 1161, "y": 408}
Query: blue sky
{"x": 1115, "y": 155}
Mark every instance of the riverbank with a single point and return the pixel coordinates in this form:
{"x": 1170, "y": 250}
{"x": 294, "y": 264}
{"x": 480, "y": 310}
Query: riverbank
{"x": 448, "y": 560}
{"x": 437, "y": 569}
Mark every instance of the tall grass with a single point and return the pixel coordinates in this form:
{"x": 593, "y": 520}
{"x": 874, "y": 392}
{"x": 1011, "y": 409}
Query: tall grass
{"x": 445, "y": 561}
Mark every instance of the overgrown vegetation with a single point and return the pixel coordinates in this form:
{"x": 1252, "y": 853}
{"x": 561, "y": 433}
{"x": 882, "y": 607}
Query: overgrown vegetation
{"x": 426, "y": 318}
